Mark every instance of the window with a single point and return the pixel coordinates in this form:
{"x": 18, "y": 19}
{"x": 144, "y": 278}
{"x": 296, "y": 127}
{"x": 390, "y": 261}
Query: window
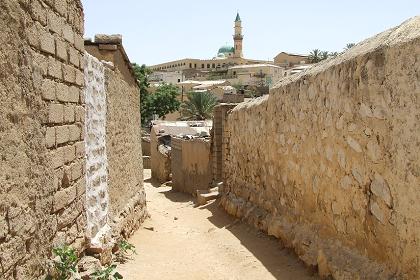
{"x": 234, "y": 72}
{"x": 208, "y": 65}
{"x": 195, "y": 65}
{"x": 202, "y": 65}
{"x": 179, "y": 80}
{"x": 213, "y": 65}
{"x": 190, "y": 65}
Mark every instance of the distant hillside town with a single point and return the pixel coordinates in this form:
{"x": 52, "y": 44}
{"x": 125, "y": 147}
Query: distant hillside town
{"x": 229, "y": 70}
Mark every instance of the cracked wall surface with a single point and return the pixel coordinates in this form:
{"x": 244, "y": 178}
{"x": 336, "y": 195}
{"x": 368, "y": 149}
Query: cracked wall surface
{"x": 41, "y": 133}
{"x": 329, "y": 162}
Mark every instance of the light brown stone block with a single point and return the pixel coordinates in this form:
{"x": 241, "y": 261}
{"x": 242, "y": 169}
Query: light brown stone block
{"x": 64, "y": 197}
{"x": 69, "y": 113}
{"x": 47, "y": 42}
{"x": 62, "y": 134}
{"x": 61, "y": 49}
{"x": 48, "y": 89}
{"x": 50, "y": 137}
{"x": 57, "y": 158}
{"x": 55, "y": 68}
{"x": 55, "y": 113}
{"x": 74, "y": 93}
{"x": 74, "y": 132}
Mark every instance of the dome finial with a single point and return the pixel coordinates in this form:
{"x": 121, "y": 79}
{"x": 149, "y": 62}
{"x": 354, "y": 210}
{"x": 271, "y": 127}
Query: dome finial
{"x": 238, "y": 18}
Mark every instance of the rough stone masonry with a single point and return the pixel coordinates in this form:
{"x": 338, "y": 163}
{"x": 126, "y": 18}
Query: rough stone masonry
{"x": 42, "y": 159}
{"x": 42, "y": 138}
{"x": 329, "y": 162}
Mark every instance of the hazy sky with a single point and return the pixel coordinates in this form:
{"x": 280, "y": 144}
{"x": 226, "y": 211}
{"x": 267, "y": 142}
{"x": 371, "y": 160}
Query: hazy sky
{"x": 163, "y": 30}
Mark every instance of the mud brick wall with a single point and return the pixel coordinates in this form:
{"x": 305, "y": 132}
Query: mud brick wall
{"x": 41, "y": 133}
{"x": 160, "y": 159}
{"x": 191, "y": 164}
{"x": 329, "y": 162}
{"x": 123, "y": 144}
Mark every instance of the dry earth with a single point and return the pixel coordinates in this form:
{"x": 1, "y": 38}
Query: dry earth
{"x": 181, "y": 241}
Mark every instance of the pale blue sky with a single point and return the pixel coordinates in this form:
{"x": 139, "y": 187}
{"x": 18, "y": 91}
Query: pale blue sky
{"x": 163, "y": 30}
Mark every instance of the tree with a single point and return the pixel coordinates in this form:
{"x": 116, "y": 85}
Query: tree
{"x": 141, "y": 73}
{"x": 164, "y": 100}
{"x": 315, "y": 56}
{"x": 199, "y": 106}
{"x": 349, "y": 46}
{"x": 333, "y": 54}
{"x": 325, "y": 55}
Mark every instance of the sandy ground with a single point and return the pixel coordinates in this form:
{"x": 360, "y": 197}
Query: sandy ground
{"x": 181, "y": 241}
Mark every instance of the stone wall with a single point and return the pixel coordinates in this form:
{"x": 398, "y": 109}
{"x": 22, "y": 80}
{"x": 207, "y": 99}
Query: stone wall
{"x": 123, "y": 145}
{"x": 145, "y": 145}
{"x": 233, "y": 98}
{"x": 220, "y": 134}
{"x": 110, "y": 48}
{"x": 98, "y": 229}
{"x": 329, "y": 161}
{"x": 191, "y": 164}
{"x": 41, "y": 139}
{"x": 160, "y": 158}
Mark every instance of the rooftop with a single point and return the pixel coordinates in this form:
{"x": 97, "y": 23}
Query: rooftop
{"x": 254, "y": 66}
{"x": 294, "y": 54}
{"x": 177, "y": 128}
{"x": 207, "y": 83}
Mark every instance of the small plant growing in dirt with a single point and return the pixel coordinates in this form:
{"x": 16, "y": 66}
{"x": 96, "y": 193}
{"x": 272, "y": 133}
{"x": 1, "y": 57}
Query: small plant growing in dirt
{"x": 65, "y": 264}
{"x": 108, "y": 273}
{"x": 125, "y": 251}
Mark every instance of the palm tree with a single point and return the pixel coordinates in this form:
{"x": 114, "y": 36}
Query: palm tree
{"x": 333, "y": 54}
{"x": 349, "y": 46}
{"x": 315, "y": 56}
{"x": 199, "y": 106}
{"x": 324, "y": 55}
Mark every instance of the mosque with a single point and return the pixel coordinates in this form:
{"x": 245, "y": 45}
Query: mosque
{"x": 227, "y": 56}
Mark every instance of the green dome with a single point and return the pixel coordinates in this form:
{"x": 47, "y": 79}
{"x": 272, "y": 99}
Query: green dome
{"x": 226, "y": 49}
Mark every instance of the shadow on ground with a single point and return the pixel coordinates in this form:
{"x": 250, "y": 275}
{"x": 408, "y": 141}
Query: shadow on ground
{"x": 257, "y": 242}
{"x": 277, "y": 261}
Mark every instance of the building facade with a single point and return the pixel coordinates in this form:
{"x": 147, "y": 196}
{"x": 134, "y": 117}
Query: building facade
{"x": 227, "y": 56}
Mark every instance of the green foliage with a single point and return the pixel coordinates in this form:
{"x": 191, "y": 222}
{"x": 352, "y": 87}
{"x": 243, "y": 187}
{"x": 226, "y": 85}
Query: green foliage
{"x": 108, "y": 273}
{"x": 65, "y": 264}
{"x": 164, "y": 100}
{"x": 333, "y": 54}
{"x": 142, "y": 73}
{"x": 199, "y": 106}
{"x": 126, "y": 249}
{"x": 324, "y": 55}
{"x": 315, "y": 56}
{"x": 349, "y": 46}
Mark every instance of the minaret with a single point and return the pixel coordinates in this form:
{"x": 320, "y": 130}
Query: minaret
{"x": 238, "y": 37}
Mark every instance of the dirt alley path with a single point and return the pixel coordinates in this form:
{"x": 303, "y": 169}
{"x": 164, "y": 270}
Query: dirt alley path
{"x": 181, "y": 241}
